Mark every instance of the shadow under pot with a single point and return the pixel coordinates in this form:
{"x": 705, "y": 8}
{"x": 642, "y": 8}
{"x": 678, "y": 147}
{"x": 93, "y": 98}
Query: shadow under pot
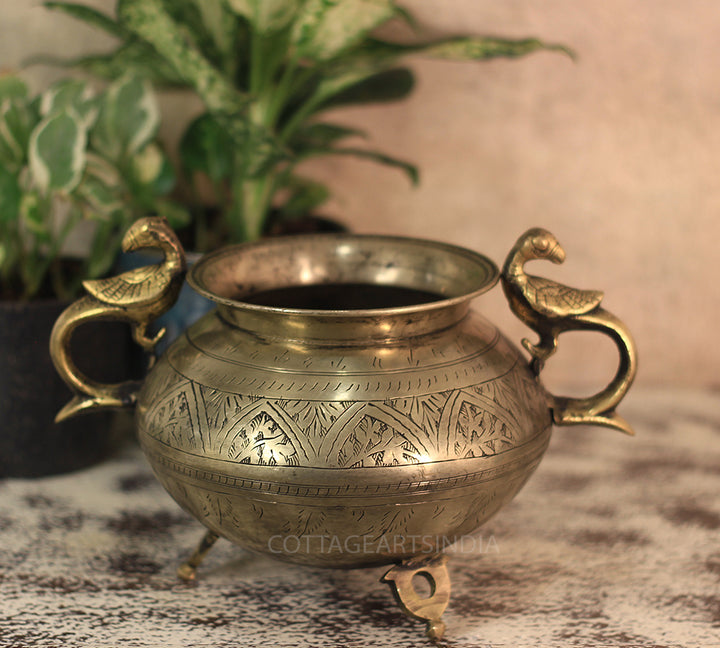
{"x": 31, "y": 392}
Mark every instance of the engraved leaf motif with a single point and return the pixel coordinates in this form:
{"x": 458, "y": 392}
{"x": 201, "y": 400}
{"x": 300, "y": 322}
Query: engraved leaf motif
{"x": 425, "y": 411}
{"x": 374, "y": 443}
{"x": 264, "y": 443}
{"x": 315, "y": 418}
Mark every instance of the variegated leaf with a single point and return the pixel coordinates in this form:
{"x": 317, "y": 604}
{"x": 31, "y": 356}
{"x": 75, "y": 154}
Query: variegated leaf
{"x": 17, "y": 120}
{"x": 148, "y": 163}
{"x": 101, "y": 200}
{"x": 218, "y": 22}
{"x": 327, "y": 27}
{"x": 149, "y": 20}
{"x": 57, "y": 152}
{"x": 33, "y": 217}
{"x": 459, "y": 48}
{"x": 129, "y": 117}
{"x": 266, "y": 15}
{"x": 482, "y": 48}
{"x": 70, "y": 93}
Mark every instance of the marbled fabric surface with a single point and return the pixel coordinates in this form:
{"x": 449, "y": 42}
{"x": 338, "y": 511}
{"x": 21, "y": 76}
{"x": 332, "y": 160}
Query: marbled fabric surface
{"x": 615, "y": 541}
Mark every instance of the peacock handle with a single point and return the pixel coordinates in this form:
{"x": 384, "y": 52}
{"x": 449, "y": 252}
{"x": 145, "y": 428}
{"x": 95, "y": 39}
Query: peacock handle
{"x": 137, "y": 297}
{"x": 550, "y": 308}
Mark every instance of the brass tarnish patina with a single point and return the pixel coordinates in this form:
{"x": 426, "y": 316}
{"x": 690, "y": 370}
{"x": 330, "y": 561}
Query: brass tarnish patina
{"x": 550, "y": 308}
{"x": 370, "y": 425}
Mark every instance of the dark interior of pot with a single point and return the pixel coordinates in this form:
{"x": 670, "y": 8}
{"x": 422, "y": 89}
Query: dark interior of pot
{"x": 341, "y": 272}
{"x": 341, "y": 296}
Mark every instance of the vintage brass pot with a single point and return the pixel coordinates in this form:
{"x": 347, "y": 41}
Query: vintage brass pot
{"x": 343, "y": 406}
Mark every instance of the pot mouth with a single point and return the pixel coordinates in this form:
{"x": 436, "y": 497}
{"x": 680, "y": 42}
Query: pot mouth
{"x": 342, "y": 275}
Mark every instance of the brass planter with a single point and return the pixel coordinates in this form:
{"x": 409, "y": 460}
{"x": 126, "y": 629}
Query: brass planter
{"x": 364, "y": 422}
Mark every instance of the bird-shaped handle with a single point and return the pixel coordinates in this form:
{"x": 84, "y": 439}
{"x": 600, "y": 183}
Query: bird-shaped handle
{"x": 137, "y": 297}
{"x": 550, "y": 308}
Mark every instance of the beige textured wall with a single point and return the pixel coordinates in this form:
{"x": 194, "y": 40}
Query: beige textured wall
{"x": 617, "y": 154}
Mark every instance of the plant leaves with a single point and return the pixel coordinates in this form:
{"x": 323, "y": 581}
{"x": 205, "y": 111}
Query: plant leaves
{"x": 460, "y": 48}
{"x": 10, "y": 195}
{"x": 205, "y": 147}
{"x": 153, "y": 169}
{"x": 188, "y": 16}
{"x": 220, "y": 25}
{"x": 17, "y": 120}
{"x": 57, "y": 152}
{"x": 325, "y": 28}
{"x": 147, "y": 164}
{"x": 266, "y": 15}
{"x": 410, "y": 169}
{"x": 101, "y": 199}
{"x": 33, "y": 217}
{"x": 70, "y": 93}
{"x": 388, "y": 85}
{"x": 149, "y": 20}
{"x": 303, "y": 198}
{"x": 321, "y": 134}
{"x": 129, "y": 117}
{"x": 176, "y": 215}
{"x": 133, "y": 57}
{"x": 350, "y": 76}
{"x": 92, "y": 17}
{"x": 12, "y": 87}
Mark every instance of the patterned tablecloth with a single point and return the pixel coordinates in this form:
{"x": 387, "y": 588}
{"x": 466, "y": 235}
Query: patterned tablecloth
{"x": 615, "y": 541}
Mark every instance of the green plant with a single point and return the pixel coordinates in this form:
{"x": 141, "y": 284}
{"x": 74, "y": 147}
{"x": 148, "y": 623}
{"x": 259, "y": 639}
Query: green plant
{"x": 71, "y": 155}
{"x": 265, "y": 70}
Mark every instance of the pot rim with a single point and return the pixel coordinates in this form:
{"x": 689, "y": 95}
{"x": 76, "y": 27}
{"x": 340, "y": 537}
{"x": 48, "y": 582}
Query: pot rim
{"x": 483, "y": 272}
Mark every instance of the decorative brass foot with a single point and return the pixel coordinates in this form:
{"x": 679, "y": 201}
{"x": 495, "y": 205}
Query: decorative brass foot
{"x": 428, "y": 609}
{"x": 188, "y": 570}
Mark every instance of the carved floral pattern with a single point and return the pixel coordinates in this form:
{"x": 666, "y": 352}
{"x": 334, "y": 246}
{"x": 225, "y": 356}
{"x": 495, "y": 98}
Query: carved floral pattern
{"x": 483, "y": 420}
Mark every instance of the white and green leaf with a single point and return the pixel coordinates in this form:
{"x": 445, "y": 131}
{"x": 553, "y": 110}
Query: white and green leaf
{"x": 151, "y": 22}
{"x": 461, "y": 48}
{"x": 57, "y": 152}
{"x": 218, "y": 21}
{"x": 34, "y": 217}
{"x": 325, "y": 28}
{"x": 129, "y": 117}
{"x": 17, "y": 119}
{"x": 266, "y": 15}
{"x": 148, "y": 163}
{"x": 101, "y": 199}
{"x": 70, "y": 93}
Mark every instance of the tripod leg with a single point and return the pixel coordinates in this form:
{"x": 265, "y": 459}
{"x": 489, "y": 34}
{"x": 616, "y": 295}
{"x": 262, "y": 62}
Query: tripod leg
{"x": 428, "y": 609}
{"x": 188, "y": 570}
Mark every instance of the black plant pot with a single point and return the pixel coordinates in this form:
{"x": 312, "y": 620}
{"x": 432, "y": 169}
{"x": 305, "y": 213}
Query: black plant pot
{"x": 31, "y": 393}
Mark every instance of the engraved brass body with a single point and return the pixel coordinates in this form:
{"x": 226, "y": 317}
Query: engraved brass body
{"x": 346, "y": 438}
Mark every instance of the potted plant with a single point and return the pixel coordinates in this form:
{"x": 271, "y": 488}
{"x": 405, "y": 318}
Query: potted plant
{"x": 266, "y": 70}
{"x": 71, "y": 160}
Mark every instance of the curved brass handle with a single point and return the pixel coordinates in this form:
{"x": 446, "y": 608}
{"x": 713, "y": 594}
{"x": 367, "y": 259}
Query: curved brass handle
{"x": 550, "y": 308}
{"x": 138, "y": 297}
